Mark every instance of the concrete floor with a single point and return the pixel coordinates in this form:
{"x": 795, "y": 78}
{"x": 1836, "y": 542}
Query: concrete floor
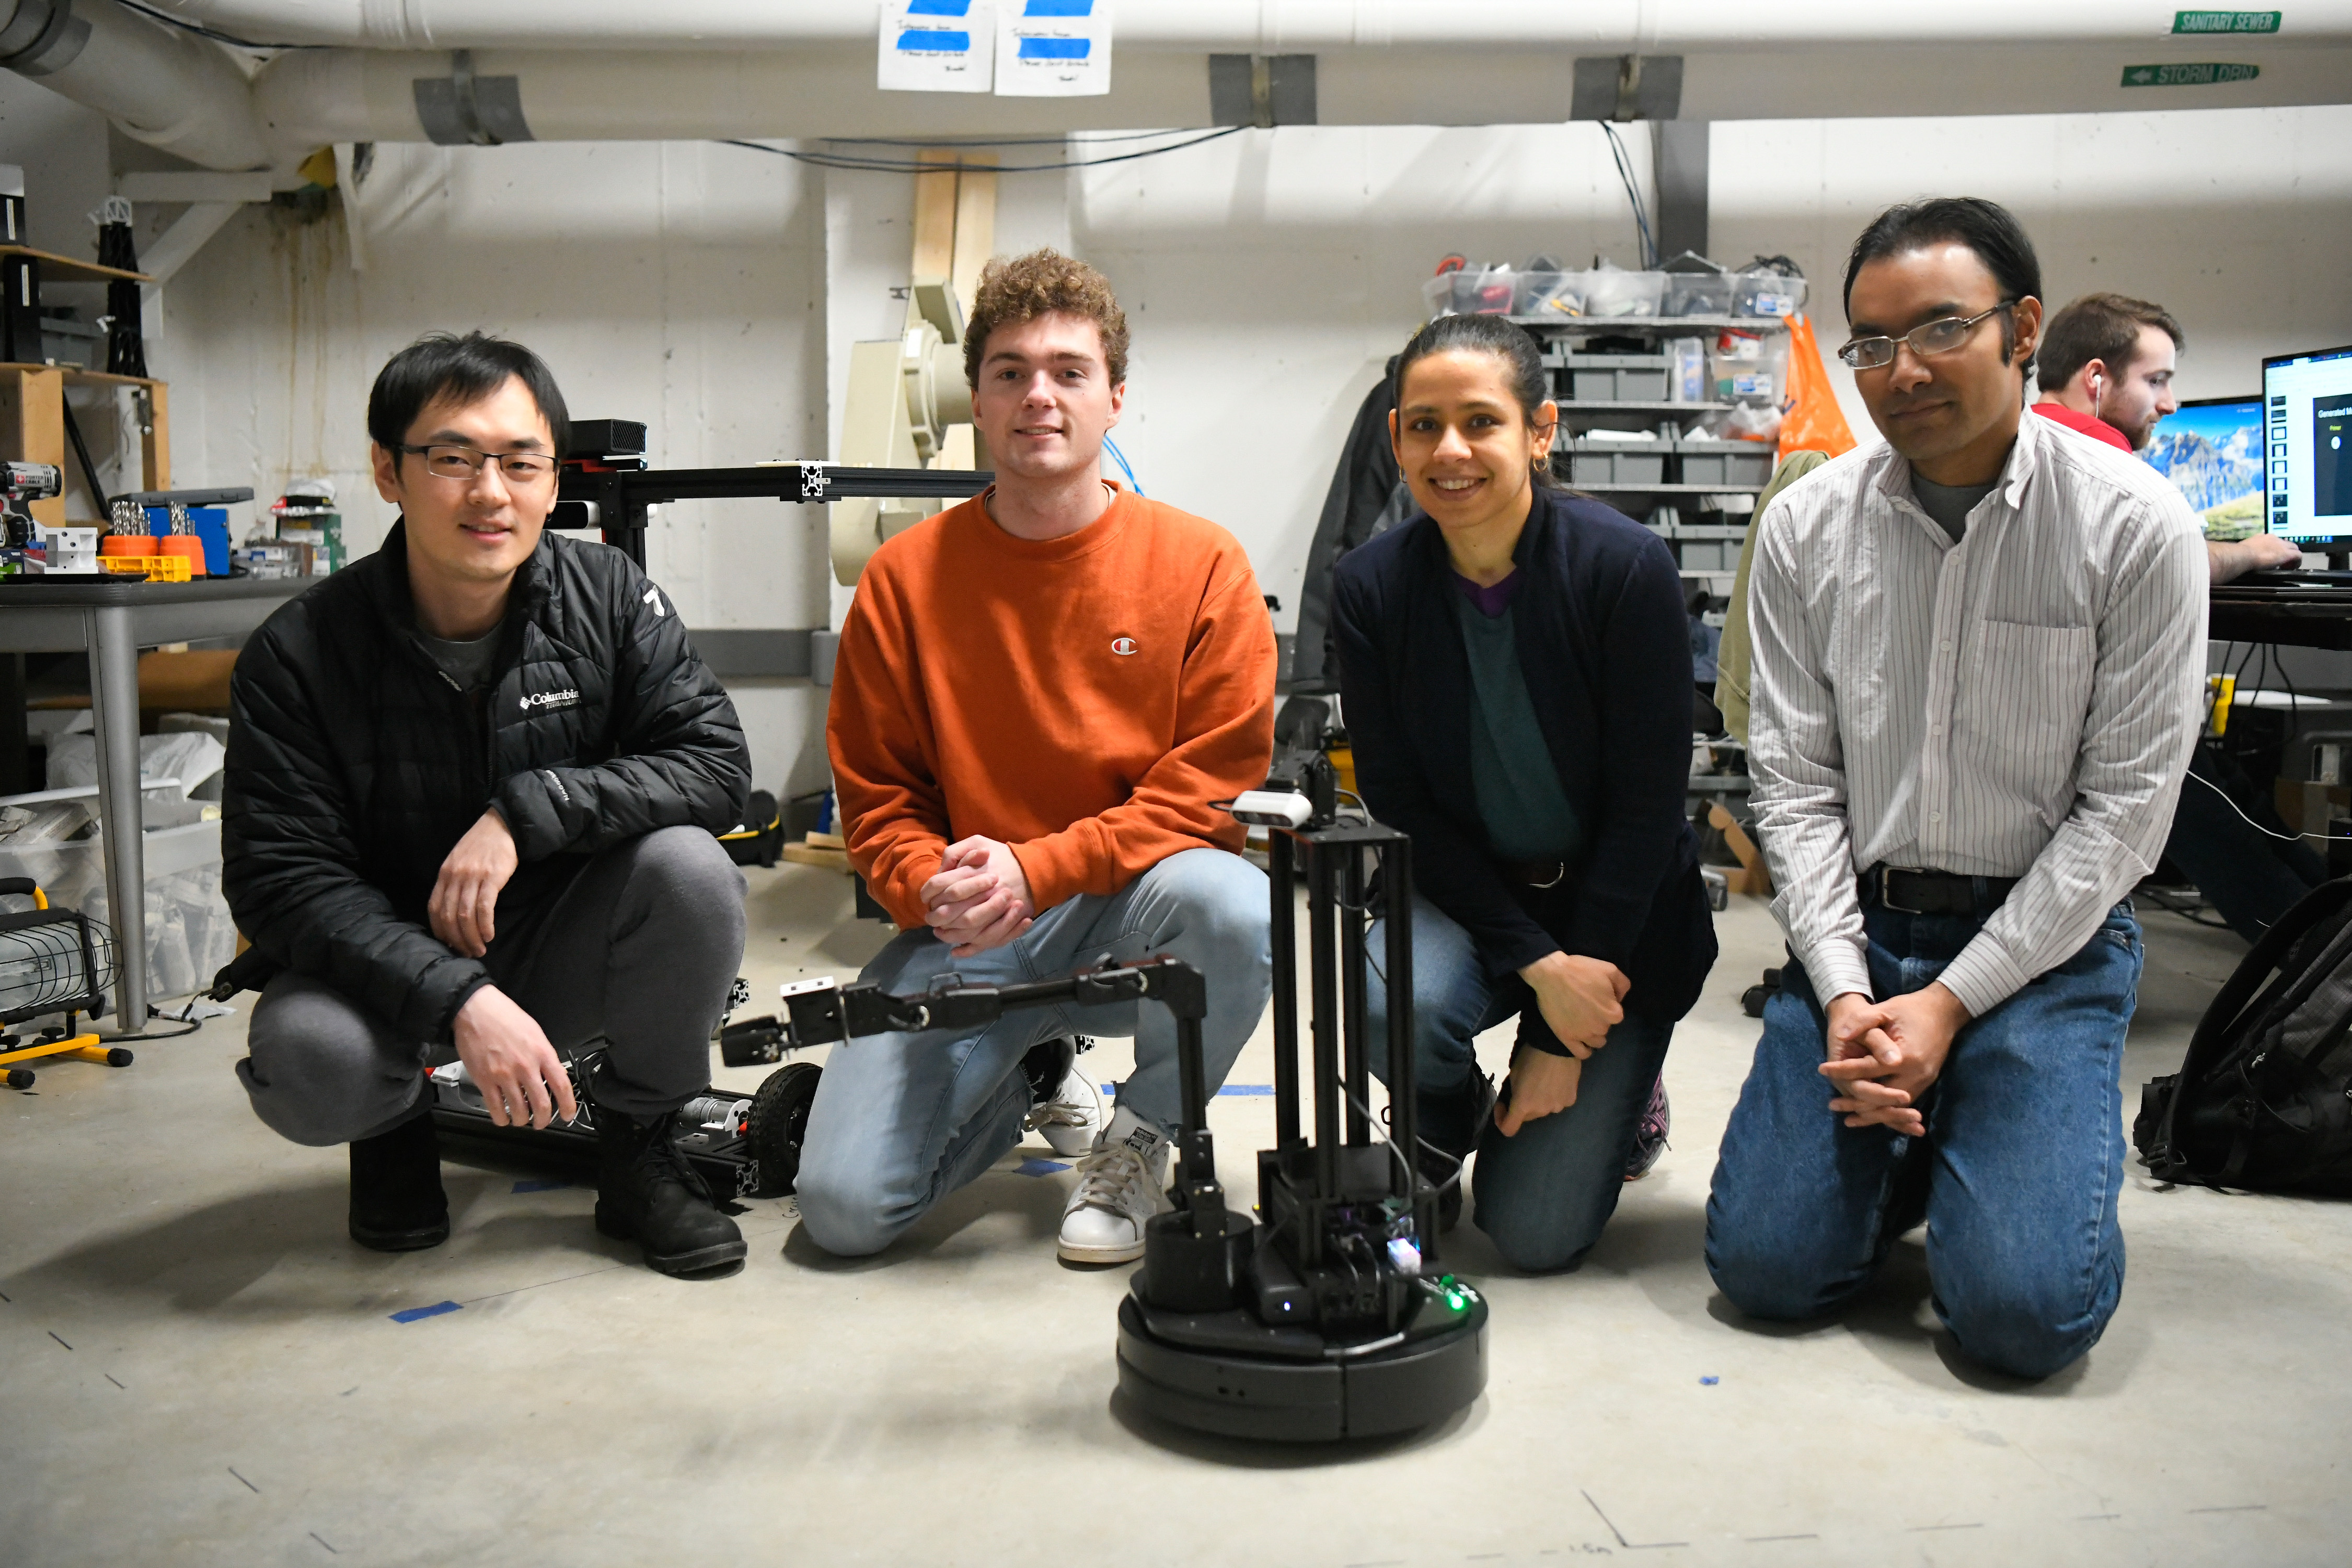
{"x": 201, "y": 1368}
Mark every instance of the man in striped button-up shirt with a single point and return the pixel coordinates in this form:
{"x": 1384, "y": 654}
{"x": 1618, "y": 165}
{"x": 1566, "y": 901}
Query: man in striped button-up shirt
{"x": 1978, "y": 655}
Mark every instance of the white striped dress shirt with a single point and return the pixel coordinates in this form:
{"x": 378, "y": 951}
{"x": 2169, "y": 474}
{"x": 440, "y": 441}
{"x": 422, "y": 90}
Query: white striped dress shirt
{"x": 2019, "y": 704}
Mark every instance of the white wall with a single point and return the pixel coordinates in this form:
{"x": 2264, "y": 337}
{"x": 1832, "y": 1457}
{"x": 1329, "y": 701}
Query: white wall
{"x": 713, "y": 292}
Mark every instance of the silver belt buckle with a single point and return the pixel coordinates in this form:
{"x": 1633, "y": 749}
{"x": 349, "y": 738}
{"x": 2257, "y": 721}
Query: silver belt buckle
{"x": 1887, "y": 895}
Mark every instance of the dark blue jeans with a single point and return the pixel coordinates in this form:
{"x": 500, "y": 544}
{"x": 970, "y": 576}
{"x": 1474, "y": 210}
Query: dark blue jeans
{"x": 2017, "y": 1175}
{"x": 1543, "y": 1194}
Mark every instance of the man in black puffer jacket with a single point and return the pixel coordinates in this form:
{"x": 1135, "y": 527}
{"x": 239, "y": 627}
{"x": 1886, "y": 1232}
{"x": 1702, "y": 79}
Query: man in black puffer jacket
{"x": 473, "y": 780}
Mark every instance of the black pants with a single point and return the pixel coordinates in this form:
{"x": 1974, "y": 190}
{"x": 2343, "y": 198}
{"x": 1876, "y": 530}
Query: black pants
{"x": 636, "y": 951}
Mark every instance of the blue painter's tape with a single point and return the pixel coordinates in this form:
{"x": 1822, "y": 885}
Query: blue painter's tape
{"x": 939, "y": 7}
{"x": 538, "y": 1186}
{"x": 1247, "y": 1088}
{"x": 435, "y": 1310}
{"x": 919, "y": 41}
{"x": 1038, "y": 1167}
{"x": 1058, "y": 8}
{"x": 1110, "y": 1089}
{"x": 1051, "y": 48}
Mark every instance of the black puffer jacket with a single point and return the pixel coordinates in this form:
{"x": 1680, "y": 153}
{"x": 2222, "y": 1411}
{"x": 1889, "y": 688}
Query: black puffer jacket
{"x": 354, "y": 765}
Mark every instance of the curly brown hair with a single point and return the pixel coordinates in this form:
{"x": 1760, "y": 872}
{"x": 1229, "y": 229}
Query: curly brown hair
{"x": 1020, "y": 288}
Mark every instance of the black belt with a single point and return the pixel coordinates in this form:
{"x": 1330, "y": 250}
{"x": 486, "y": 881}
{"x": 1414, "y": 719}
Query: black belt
{"x": 1912, "y": 892}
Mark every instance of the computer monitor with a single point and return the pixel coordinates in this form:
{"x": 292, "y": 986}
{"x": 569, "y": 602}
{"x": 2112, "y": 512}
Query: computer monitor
{"x": 2307, "y": 438}
{"x": 2212, "y": 450}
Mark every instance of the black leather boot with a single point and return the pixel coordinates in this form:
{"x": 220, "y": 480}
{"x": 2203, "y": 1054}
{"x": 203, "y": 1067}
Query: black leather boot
{"x": 646, "y": 1192}
{"x": 398, "y": 1203}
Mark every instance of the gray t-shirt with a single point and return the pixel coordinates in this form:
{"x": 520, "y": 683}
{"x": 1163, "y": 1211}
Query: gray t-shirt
{"x": 1949, "y": 505}
{"x": 466, "y": 664}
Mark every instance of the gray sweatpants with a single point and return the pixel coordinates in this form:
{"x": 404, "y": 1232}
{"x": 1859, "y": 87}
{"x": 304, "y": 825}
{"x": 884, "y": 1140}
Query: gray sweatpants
{"x": 637, "y": 953}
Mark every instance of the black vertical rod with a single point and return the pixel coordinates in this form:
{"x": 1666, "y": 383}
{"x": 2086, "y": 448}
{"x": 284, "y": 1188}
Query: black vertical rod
{"x": 1404, "y": 1120}
{"x": 1357, "y": 1051}
{"x": 1193, "y": 1078}
{"x": 1204, "y": 1197}
{"x": 1284, "y": 877}
{"x": 1323, "y": 1020}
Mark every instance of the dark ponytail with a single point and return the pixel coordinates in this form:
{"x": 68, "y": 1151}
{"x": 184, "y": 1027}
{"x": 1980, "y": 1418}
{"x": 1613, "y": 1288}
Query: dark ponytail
{"x": 1522, "y": 361}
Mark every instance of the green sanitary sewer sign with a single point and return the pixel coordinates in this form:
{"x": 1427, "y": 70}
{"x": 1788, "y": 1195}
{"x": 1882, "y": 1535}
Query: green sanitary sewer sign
{"x": 2185, "y": 75}
{"x": 2224, "y": 22}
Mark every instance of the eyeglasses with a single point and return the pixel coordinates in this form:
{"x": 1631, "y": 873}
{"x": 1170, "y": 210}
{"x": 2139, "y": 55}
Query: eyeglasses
{"x": 1937, "y": 336}
{"x": 463, "y": 464}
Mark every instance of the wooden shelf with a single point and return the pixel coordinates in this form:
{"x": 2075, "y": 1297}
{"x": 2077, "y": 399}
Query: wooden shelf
{"x": 57, "y": 268}
{"x": 74, "y": 373}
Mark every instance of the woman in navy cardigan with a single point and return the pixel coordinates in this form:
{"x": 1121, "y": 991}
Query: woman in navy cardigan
{"x": 1516, "y": 680}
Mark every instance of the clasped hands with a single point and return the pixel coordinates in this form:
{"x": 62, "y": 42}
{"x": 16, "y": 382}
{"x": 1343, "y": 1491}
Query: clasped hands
{"x": 979, "y": 897}
{"x": 1582, "y": 999}
{"x": 1883, "y": 1055}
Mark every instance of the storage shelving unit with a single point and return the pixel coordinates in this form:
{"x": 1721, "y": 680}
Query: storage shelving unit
{"x": 1706, "y": 542}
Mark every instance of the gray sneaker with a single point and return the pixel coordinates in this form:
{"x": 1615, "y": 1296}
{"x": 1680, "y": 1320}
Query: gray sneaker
{"x": 1649, "y": 1134}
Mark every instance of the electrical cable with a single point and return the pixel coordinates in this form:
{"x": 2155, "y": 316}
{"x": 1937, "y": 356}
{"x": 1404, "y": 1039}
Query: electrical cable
{"x": 2282, "y": 837}
{"x": 919, "y": 167}
{"x": 1120, "y": 459}
{"x": 214, "y": 34}
{"x": 1633, "y": 194}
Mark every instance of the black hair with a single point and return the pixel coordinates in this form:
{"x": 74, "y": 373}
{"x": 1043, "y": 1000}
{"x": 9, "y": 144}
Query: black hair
{"x": 1988, "y": 229}
{"x": 1522, "y": 361}
{"x": 465, "y": 370}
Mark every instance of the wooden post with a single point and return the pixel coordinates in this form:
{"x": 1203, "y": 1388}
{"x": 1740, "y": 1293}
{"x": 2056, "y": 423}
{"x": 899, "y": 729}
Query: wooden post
{"x": 155, "y": 436}
{"x": 934, "y": 216}
{"x": 1753, "y": 875}
{"x": 33, "y": 427}
{"x": 975, "y": 225}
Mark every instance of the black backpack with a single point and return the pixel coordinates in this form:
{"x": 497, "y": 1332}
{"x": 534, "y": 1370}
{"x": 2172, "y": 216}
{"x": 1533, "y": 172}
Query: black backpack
{"x": 2263, "y": 1098}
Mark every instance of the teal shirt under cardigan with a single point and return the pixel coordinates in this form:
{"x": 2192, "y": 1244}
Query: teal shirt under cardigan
{"x": 1521, "y": 803}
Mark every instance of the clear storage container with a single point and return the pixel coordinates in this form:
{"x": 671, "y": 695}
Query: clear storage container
{"x": 1767, "y": 294}
{"x": 1610, "y": 291}
{"x": 1698, "y": 294}
{"x": 1556, "y": 294}
{"x": 1470, "y": 292}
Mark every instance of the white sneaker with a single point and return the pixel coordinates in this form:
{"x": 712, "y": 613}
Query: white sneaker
{"x": 1072, "y": 1118}
{"x": 1121, "y": 1183}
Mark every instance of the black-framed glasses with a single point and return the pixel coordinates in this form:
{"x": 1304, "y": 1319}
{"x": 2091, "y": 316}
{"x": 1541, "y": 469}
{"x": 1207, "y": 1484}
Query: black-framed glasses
{"x": 462, "y": 464}
{"x": 1931, "y": 338}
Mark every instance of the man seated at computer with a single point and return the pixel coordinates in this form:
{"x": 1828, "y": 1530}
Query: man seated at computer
{"x": 2105, "y": 371}
{"x": 1040, "y": 696}
{"x": 472, "y": 785}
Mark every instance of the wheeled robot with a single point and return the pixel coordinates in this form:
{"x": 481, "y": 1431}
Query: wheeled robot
{"x": 1329, "y": 1316}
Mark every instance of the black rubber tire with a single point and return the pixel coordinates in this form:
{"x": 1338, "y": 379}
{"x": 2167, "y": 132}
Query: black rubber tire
{"x": 20, "y": 1078}
{"x": 119, "y": 1057}
{"x": 780, "y": 1113}
{"x": 1752, "y": 1000}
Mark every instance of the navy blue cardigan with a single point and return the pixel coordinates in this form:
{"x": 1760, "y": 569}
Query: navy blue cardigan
{"x": 1604, "y": 642}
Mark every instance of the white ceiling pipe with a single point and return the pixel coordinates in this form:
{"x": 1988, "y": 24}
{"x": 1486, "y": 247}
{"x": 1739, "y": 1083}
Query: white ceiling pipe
{"x": 1245, "y": 27}
{"x": 162, "y": 86}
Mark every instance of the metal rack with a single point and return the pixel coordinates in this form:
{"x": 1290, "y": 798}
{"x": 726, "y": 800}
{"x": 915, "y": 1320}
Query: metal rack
{"x": 1705, "y": 541}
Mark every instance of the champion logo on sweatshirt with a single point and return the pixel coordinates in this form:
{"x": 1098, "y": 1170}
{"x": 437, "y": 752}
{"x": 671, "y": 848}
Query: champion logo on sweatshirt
{"x": 545, "y": 701}
{"x": 1122, "y": 646}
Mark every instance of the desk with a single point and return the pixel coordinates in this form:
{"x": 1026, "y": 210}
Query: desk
{"x": 2294, "y": 616}
{"x": 112, "y": 621}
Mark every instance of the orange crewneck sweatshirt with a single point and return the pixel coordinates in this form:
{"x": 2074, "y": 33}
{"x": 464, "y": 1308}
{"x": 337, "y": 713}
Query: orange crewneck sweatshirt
{"x": 1080, "y": 698}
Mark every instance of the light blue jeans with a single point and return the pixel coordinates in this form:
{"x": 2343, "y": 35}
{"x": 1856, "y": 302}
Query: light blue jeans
{"x": 1543, "y": 1194}
{"x": 2017, "y": 1175}
{"x": 900, "y": 1120}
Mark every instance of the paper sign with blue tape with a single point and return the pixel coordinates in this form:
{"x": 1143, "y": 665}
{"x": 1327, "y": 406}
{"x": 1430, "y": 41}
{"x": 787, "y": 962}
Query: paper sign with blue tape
{"x": 922, "y": 50}
{"x": 1053, "y": 49}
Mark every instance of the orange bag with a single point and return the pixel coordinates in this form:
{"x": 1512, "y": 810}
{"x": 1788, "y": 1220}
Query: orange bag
{"x": 1812, "y": 420}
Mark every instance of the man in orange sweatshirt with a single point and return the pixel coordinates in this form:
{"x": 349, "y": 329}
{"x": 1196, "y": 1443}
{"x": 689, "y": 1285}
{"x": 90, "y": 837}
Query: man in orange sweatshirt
{"x": 1038, "y": 694}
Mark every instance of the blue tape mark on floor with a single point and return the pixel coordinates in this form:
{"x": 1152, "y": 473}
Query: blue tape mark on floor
{"x": 538, "y": 1186}
{"x": 1247, "y": 1088}
{"x": 435, "y": 1310}
{"x": 1038, "y": 1167}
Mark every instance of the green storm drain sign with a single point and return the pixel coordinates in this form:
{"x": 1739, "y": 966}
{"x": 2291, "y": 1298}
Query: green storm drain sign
{"x": 2188, "y": 75}
{"x": 2222, "y": 22}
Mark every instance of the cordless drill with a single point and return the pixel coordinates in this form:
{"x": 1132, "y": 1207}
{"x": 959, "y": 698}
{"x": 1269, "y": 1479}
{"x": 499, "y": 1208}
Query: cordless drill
{"x": 25, "y": 483}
